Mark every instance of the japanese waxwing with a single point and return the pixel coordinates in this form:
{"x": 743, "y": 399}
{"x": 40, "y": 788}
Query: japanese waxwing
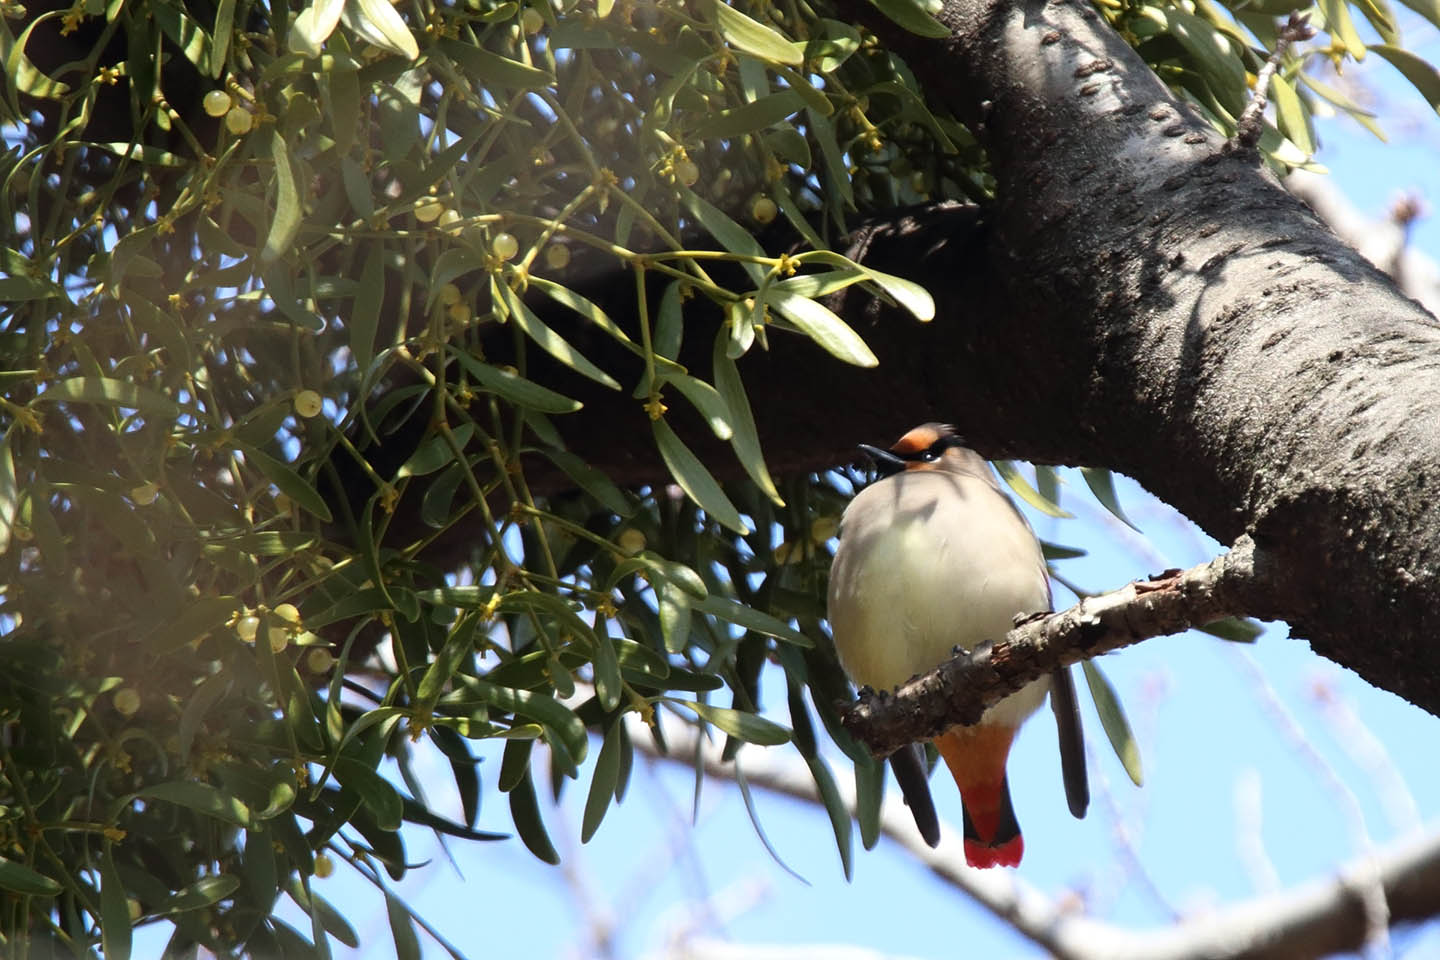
{"x": 933, "y": 556}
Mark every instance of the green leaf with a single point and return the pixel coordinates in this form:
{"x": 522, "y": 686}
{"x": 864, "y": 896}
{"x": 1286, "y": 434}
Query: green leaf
{"x": 1422, "y": 76}
{"x": 1234, "y": 629}
{"x": 608, "y": 685}
{"x": 1290, "y": 112}
{"x": 200, "y": 797}
{"x": 820, "y": 324}
{"x": 1112, "y": 718}
{"x": 1429, "y": 9}
{"x": 288, "y": 481}
{"x": 9, "y": 493}
{"x": 313, "y": 26}
{"x": 569, "y": 298}
{"x": 831, "y": 44}
{"x": 694, "y": 479}
{"x": 115, "y": 929}
{"x": 707, "y": 400}
{"x": 752, "y": 37}
{"x": 550, "y": 341}
{"x": 835, "y": 807}
{"x": 1341, "y": 28}
{"x": 438, "y": 674}
{"x": 1102, "y": 484}
{"x": 912, "y": 297}
{"x": 378, "y": 795}
{"x": 380, "y": 24}
{"x": 364, "y": 317}
{"x": 285, "y": 225}
{"x": 591, "y": 480}
{"x": 201, "y": 893}
{"x": 746, "y": 440}
{"x": 1017, "y": 482}
{"x": 910, "y": 15}
{"x": 526, "y": 814}
{"x": 402, "y": 928}
{"x": 744, "y": 726}
{"x": 730, "y": 234}
{"x": 435, "y": 452}
{"x": 493, "y": 69}
{"x": 18, "y": 878}
{"x": 674, "y": 611}
{"x": 18, "y": 288}
{"x": 1213, "y": 57}
{"x": 869, "y": 795}
{"x": 751, "y": 117}
{"x": 751, "y": 619}
{"x": 197, "y": 619}
{"x": 513, "y": 387}
{"x": 744, "y": 786}
{"x": 106, "y": 391}
{"x": 604, "y": 781}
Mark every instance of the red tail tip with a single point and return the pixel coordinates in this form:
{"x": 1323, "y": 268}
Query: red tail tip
{"x": 1007, "y": 854}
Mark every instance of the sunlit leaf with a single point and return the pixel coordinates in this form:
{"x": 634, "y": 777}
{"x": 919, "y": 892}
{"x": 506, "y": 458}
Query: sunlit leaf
{"x": 1112, "y": 718}
{"x": 752, "y": 37}
{"x": 737, "y": 723}
{"x": 695, "y": 479}
{"x": 1102, "y": 484}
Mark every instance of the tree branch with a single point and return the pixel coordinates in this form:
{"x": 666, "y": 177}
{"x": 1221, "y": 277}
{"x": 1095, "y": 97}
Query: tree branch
{"x": 1310, "y": 921}
{"x": 959, "y": 690}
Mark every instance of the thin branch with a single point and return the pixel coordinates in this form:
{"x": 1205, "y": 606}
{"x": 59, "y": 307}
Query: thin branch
{"x": 1252, "y": 120}
{"x": 959, "y": 690}
{"x": 1316, "y": 919}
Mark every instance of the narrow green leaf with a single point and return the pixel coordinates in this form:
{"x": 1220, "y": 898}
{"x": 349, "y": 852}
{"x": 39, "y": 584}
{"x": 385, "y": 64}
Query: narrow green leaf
{"x": 591, "y": 480}
{"x": 1213, "y": 57}
{"x": 201, "y": 893}
{"x": 435, "y": 452}
{"x": 202, "y": 615}
{"x": 364, "y": 317}
{"x": 18, "y": 878}
{"x": 1112, "y": 718}
{"x": 694, "y": 479}
{"x": 513, "y": 387}
{"x": 1290, "y": 113}
{"x": 608, "y": 685}
{"x": 751, "y": 619}
{"x": 200, "y": 797}
{"x": 550, "y": 341}
{"x": 1234, "y": 629}
{"x": 744, "y": 786}
{"x": 380, "y": 24}
{"x": 493, "y": 69}
{"x": 569, "y": 298}
{"x": 513, "y": 763}
{"x": 224, "y": 27}
{"x": 17, "y": 288}
{"x": 744, "y": 726}
{"x": 1422, "y": 76}
{"x": 285, "y": 225}
{"x": 815, "y": 285}
{"x": 674, "y": 612}
{"x": 1102, "y": 484}
{"x": 1341, "y": 28}
{"x": 1429, "y": 9}
{"x": 377, "y": 793}
{"x": 869, "y": 795}
{"x": 835, "y": 807}
{"x": 288, "y": 481}
{"x": 751, "y": 117}
{"x": 9, "y": 493}
{"x": 669, "y": 322}
{"x": 112, "y": 393}
{"x": 746, "y": 439}
{"x": 831, "y": 44}
{"x": 1017, "y": 482}
{"x": 114, "y": 910}
{"x": 313, "y": 26}
{"x": 525, "y": 811}
{"x": 910, "y": 15}
{"x": 604, "y": 781}
{"x": 820, "y": 324}
{"x": 752, "y": 37}
{"x": 554, "y": 715}
{"x": 402, "y": 927}
{"x": 443, "y": 667}
{"x": 730, "y": 234}
{"x": 707, "y": 400}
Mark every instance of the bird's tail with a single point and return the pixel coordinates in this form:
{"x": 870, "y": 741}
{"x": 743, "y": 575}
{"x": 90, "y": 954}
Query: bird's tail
{"x": 976, "y": 758}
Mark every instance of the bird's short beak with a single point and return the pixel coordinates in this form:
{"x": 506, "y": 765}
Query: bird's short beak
{"x": 886, "y": 463}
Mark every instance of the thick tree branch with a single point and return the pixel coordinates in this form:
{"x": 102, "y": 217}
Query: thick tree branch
{"x": 1314, "y": 920}
{"x": 959, "y": 690}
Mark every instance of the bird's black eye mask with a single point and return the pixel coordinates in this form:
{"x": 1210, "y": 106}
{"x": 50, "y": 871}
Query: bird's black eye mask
{"x": 888, "y": 462}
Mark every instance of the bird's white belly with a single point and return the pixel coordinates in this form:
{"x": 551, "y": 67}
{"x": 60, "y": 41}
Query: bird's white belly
{"x": 926, "y": 563}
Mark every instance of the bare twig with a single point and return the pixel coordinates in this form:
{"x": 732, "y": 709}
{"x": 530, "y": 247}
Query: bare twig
{"x": 1252, "y": 121}
{"x": 959, "y": 690}
{"x": 1313, "y": 920}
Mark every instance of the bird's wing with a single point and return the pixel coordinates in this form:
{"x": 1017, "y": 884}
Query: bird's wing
{"x": 1072, "y": 741}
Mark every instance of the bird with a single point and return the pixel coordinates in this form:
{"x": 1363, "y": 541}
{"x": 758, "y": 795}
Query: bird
{"x": 933, "y": 556}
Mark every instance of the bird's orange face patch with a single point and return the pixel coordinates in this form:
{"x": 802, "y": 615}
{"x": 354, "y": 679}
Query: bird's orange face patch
{"x": 917, "y": 440}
